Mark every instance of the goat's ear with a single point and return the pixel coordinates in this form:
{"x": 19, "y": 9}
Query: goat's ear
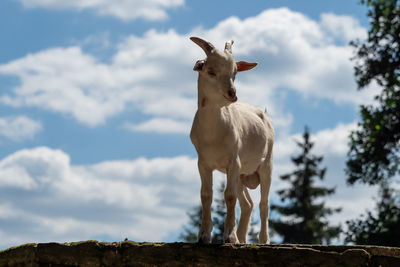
{"x": 243, "y": 65}
{"x": 199, "y": 65}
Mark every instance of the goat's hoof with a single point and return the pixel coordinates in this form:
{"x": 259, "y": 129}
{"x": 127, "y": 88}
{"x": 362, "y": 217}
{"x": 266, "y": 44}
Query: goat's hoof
{"x": 231, "y": 239}
{"x": 263, "y": 241}
{"x": 204, "y": 241}
{"x": 204, "y": 238}
{"x": 201, "y": 241}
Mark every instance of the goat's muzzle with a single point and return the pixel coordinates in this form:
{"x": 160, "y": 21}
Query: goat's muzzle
{"x": 231, "y": 95}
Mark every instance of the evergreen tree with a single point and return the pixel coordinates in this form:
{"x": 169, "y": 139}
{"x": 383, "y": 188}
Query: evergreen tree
{"x": 303, "y": 220}
{"x": 382, "y": 228}
{"x": 191, "y": 231}
{"x": 374, "y": 154}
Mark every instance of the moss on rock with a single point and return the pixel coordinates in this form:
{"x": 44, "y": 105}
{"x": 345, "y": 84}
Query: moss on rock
{"x": 129, "y": 253}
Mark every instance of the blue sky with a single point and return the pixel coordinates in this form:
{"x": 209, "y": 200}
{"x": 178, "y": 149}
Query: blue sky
{"x": 97, "y": 98}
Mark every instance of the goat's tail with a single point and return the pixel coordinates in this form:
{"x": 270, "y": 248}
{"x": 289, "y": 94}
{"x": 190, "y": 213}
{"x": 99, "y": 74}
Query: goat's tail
{"x": 251, "y": 181}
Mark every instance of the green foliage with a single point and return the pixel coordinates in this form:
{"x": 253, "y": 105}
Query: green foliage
{"x": 374, "y": 154}
{"x": 303, "y": 219}
{"x": 381, "y": 228}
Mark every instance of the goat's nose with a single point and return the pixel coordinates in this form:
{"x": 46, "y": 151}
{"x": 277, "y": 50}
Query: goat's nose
{"x": 231, "y": 93}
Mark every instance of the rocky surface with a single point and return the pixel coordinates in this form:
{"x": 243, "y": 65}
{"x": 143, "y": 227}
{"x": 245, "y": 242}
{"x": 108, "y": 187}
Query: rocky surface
{"x": 128, "y": 253}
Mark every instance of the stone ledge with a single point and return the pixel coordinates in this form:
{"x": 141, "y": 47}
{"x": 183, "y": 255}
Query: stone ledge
{"x": 128, "y": 253}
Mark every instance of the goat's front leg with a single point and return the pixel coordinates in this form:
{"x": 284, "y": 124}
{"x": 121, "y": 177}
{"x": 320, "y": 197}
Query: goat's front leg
{"x": 206, "y": 201}
{"x": 230, "y": 201}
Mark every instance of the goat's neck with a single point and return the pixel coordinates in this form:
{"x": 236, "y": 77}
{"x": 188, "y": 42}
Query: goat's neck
{"x": 210, "y": 113}
{"x": 205, "y": 103}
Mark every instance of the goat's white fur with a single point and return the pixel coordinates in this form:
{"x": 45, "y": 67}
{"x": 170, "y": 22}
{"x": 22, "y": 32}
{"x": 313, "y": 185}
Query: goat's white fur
{"x": 234, "y": 138}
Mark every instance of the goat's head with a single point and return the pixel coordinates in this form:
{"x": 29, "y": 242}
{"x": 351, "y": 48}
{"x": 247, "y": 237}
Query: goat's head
{"x": 217, "y": 72}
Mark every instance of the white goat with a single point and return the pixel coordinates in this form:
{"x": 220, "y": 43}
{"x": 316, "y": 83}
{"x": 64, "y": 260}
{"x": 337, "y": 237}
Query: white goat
{"x": 234, "y": 138}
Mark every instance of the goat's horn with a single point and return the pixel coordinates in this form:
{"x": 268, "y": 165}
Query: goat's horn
{"x": 206, "y": 46}
{"x": 228, "y": 46}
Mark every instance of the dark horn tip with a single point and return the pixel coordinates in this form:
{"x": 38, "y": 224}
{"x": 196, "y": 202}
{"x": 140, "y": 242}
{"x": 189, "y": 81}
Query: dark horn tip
{"x": 205, "y": 45}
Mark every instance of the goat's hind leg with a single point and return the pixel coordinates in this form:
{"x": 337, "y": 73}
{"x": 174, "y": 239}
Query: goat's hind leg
{"x": 265, "y": 172}
{"x": 230, "y": 196}
{"x": 246, "y": 207}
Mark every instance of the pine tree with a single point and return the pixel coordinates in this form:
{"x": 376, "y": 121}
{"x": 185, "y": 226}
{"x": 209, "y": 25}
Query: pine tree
{"x": 381, "y": 228}
{"x": 374, "y": 154}
{"x": 191, "y": 231}
{"x": 303, "y": 220}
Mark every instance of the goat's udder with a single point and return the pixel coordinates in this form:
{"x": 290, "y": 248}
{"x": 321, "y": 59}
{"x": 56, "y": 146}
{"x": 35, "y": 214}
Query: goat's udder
{"x": 250, "y": 181}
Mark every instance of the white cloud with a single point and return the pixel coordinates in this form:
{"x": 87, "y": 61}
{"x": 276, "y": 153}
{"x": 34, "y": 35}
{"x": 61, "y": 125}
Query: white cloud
{"x": 334, "y": 141}
{"x": 296, "y": 52}
{"x": 19, "y": 128}
{"x": 160, "y": 125}
{"x": 331, "y": 141}
{"x": 345, "y": 28}
{"x": 122, "y": 9}
{"x": 143, "y": 199}
{"x": 68, "y": 81}
{"x": 153, "y": 73}
{"x": 95, "y": 42}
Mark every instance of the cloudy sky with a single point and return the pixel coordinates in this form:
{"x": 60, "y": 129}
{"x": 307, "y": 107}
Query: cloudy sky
{"x": 97, "y": 99}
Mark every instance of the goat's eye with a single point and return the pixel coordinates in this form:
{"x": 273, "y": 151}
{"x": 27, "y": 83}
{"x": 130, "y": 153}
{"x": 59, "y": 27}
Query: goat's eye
{"x": 211, "y": 73}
